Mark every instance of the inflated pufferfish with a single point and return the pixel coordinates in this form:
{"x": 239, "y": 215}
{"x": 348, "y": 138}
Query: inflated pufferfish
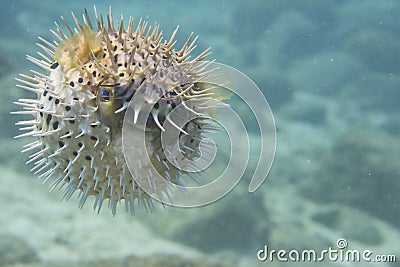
{"x": 91, "y": 72}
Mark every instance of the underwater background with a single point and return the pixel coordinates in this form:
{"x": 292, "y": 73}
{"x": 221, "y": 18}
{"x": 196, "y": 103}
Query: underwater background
{"x": 330, "y": 72}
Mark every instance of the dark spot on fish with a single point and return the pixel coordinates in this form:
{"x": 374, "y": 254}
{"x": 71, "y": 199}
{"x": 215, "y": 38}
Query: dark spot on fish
{"x": 45, "y": 92}
{"x": 61, "y": 144}
{"x": 50, "y": 98}
{"x": 80, "y": 144}
{"x": 80, "y": 80}
{"x": 115, "y": 48}
{"x": 72, "y": 121}
{"x": 72, "y": 83}
{"x": 48, "y": 119}
{"x": 94, "y": 138}
{"x": 57, "y": 101}
{"x": 94, "y": 74}
{"x": 67, "y": 108}
{"x": 75, "y": 153}
{"x": 54, "y": 65}
{"x": 121, "y": 74}
{"x": 88, "y": 158}
{"x": 55, "y": 125}
{"x": 156, "y": 105}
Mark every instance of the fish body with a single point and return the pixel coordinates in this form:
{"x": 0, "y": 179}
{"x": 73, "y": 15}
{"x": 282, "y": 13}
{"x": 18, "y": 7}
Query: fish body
{"x": 90, "y": 74}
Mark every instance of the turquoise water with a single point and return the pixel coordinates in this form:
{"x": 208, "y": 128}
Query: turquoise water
{"x": 329, "y": 70}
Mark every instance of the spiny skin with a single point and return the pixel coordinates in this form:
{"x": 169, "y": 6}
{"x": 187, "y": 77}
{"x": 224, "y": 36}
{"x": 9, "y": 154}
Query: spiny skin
{"x": 90, "y": 77}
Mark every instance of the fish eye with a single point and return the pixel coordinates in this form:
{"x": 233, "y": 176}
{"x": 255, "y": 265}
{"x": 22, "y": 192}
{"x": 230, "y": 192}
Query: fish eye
{"x": 105, "y": 95}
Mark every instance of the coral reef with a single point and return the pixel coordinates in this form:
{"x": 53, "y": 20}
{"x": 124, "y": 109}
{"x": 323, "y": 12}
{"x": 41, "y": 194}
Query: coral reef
{"x": 229, "y": 224}
{"x": 131, "y": 261}
{"x": 373, "y": 92}
{"x": 324, "y": 74}
{"x": 378, "y": 49}
{"x": 361, "y": 171}
{"x": 14, "y": 250}
{"x": 306, "y": 108}
{"x": 157, "y": 260}
{"x": 299, "y": 223}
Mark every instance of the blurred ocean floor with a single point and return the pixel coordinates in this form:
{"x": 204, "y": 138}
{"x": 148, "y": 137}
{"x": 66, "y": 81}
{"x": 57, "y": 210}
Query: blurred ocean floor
{"x": 330, "y": 72}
